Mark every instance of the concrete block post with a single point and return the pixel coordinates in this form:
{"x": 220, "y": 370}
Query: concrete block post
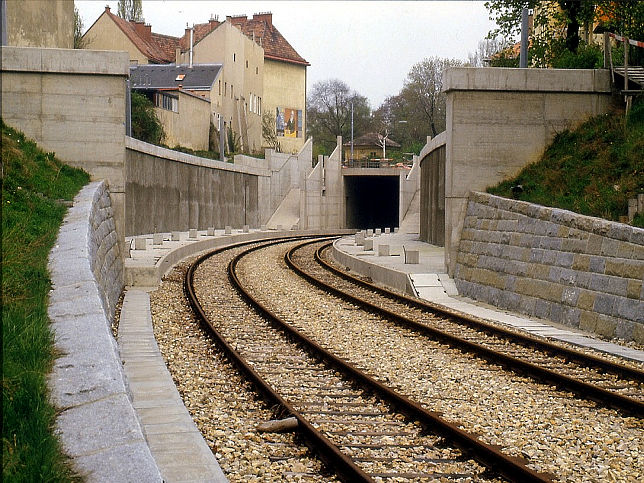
{"x": 228, "y": 230}
{"x": 211, "y": 231}
{"x": 158, "y": 239}
{"x": 369, "y": 232}
{"x": 246, "y": 228}
{"x": 192, "y": 233}
{"x": 412, "y": 256}
{"x": 396, "y": 229}
{"x": 359, "y": 239}
{"x": 378, "y": 232}
{"x": 387, "y": 231}
{"x": 262, "y": 227}
{"x": 368, "y": 244}
{"x": 383, "y": 250}
{"x": 139, "y": 243}
{"x": 176, "y": 236}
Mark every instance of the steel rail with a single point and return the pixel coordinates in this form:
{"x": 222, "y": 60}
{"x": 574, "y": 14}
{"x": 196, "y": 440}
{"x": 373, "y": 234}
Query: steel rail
{"x": 327, "y": 451}
{"x": 511, "y": 467}
{"x": 584, "y": 389}
{"x": 477, "y": 323}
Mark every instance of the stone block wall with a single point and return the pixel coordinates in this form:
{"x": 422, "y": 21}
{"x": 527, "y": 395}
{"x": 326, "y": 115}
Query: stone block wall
{"x": 105, "y": 258}
{"x": 580, "y": 271}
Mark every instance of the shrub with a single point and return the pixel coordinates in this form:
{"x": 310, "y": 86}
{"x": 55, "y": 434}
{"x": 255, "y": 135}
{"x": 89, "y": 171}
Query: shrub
{"x": 145, "y": 124}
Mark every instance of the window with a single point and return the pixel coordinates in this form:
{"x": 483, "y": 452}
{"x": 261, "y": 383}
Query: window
{"x": 247, "y": 64}
{"x": 232, "y": 89}
{"x": 234, "y": 57}
{"x": 166, "y": 101}
{"x": 219, "y": 87}
{"x": 256, "y": 70}
{"x": 225, "y": 88}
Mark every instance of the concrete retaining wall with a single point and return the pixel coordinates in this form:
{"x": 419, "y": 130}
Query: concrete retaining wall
{"x": 97, "y": 424}
{"x": 71, "y": 102}
{"x": 499, "y": 120}
{"x": 171, "y": 191}
{"x": 432, "y": 191}
{"x": 577, "y": 270}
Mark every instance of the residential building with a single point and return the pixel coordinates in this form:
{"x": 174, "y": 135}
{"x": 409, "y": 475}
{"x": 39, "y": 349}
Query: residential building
{"x": 284, "y": 79}
{"x": 369, "y": 146}
{"x": 38, "y": 23}
{"x": 111, "y": 32}
{"x": 182, "y": 98}
{"x": 239, "y": 94}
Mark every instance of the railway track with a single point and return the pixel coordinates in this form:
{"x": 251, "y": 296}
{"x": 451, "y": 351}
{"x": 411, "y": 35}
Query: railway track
{"x": 615, "y": 384}
{"x": 362, "y": 428}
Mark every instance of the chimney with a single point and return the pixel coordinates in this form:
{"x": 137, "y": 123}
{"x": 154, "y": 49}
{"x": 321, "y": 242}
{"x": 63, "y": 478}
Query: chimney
{"x": 213, "y": 21}
{"x": 144, "y": 31}
{"x": 236, "y": 19}
{"x": 107, "y": 8}
{"x": 265, "y": 16}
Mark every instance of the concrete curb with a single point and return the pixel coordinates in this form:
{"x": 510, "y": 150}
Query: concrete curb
{"x": 97, "y": 425}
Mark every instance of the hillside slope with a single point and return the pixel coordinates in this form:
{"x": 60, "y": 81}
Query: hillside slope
{"x": 592, "y": 170}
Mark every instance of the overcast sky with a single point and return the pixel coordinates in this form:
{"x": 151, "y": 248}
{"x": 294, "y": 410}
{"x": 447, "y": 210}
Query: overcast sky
{"x": 370, "y": 45}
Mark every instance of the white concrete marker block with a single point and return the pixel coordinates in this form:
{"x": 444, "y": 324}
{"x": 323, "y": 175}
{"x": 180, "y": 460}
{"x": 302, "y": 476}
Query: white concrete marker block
{"x": 211, "y": 231}
{"x": 228, "y": 230}
{"x": 359, "y": 239}
{"x": 368, "y": 244}
{"x": 396, "y": 230}
{"x": 369, "y": 232}
{"x": 246, "y": 228}
{"x": 158, "y": 239}
{"x": 192, "y": 233}
{"x": 262, "y": 227}
{"x": 412, "y": 257}
{"x": 139, "y": 243}
{"x": 383, "y": 250}
{"x": 294, "y": 227}
{"x": 378, "y": 232}
{"x": 176, "y": 235}
{"x": 387, "y": 231}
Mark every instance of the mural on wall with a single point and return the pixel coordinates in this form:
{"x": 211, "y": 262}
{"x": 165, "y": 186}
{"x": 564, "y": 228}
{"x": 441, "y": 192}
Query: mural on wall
{"x": 288, "y": 122}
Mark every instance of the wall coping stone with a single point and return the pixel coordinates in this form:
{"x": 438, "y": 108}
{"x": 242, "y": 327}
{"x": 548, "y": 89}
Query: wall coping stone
{"x": 96, "y": 424}
{"x": 526, "y": 80}
{"x": 66, "y": 61}
{"x": 597, "y": 226}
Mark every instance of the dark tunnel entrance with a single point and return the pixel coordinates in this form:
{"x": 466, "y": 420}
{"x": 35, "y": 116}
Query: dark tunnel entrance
{"x": 372, "y": 201}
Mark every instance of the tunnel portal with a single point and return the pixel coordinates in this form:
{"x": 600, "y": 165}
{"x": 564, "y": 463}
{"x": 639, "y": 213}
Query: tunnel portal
{"x": 372, "y": 201}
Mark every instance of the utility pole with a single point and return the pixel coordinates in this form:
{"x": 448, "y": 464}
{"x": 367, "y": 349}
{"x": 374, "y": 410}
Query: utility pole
{"x": 351, "y": 131}
{"x": 523, "y": 55}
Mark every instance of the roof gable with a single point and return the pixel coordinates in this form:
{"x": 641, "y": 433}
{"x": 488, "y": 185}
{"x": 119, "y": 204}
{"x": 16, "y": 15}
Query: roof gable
{"x": 372, "y": 139}
{"x": 157, "y": 48}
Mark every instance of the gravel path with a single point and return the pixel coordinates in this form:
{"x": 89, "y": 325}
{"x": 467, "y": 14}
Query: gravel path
{"x": 573, "y": 439}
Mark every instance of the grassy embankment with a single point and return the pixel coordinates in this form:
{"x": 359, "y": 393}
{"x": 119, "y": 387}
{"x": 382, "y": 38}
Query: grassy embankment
{"x": 592, "y": 170}
{"x": 32, "y": 183}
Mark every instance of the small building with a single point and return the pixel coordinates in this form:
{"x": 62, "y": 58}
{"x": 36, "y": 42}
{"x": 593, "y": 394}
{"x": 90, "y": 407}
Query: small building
{"x": 368, "y": 146}
{"x": 182, "y": 98}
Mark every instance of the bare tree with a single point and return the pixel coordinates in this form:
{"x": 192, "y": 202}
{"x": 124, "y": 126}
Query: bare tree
{"x": 329, "y": 112}
{"x": 486, "y": 50}
{"x": 130, "y": 10}
{"x": 79, "y": 42}
{"x": 422, "y": 91}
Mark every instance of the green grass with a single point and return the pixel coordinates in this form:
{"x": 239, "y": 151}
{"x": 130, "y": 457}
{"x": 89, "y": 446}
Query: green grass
{"x": 593, "y": 170}
{"x": 32, "y": 183}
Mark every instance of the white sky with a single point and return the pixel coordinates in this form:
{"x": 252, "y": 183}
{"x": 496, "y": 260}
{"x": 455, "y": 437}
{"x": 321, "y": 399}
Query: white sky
{"x": 370, "y": 45}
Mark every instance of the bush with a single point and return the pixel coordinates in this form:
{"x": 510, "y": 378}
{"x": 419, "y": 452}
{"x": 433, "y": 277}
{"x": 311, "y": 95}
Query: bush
{"x": 145, "y": 124}
{"x": 586, "y": 57}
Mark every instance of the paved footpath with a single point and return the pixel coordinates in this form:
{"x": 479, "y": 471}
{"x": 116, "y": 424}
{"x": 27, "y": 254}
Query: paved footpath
{"x": 429, "y": 281}
{"x": 176, "y": 444}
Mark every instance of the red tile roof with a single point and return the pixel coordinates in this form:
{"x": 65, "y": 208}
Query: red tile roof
{"x": 157, "y": 48}
{"x": 261, "y": 29}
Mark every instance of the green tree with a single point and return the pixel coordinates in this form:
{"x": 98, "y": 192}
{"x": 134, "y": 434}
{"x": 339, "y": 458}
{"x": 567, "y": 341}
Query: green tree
{"x": 329, "y": 113}
{"x": 130, "y": 10}
{"x": 145, "y": 124}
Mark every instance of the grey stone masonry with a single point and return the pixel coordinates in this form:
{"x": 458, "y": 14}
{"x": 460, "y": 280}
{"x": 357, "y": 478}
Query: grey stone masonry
{"x": 96, "y": 423}
{"x": 572, "y": 269}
